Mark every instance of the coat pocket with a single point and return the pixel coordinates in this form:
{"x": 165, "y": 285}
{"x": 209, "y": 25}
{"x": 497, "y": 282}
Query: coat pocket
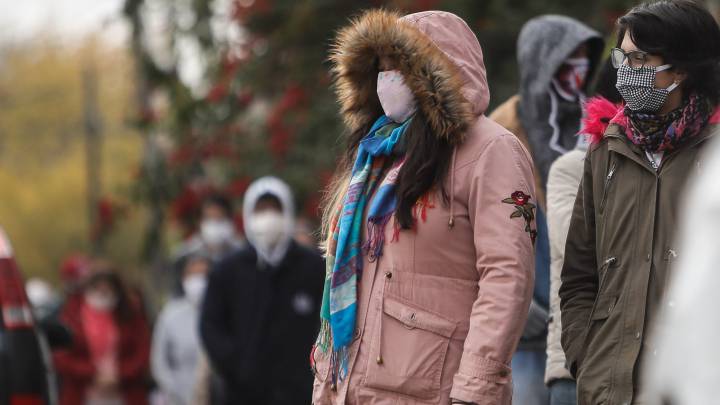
{"x": 408, "y": 350}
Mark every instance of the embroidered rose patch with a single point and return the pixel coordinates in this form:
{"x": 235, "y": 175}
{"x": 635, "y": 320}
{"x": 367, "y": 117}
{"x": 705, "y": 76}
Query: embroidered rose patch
{"x": 524, "y": 209}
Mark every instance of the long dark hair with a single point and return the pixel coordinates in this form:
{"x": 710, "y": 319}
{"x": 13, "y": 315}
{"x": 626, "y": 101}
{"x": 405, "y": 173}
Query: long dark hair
{"x": 685, "y": 35}
{"x": 425, "y": 169}
{"x": 124, "y": 310}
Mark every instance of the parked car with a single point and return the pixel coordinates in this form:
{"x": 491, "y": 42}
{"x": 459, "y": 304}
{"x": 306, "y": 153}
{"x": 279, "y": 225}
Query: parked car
{"x": 26, "y": 373}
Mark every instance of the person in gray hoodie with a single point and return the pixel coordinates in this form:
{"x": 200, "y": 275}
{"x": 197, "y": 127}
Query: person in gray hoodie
{"x": 556, "y": 56}
{"x": 176, "y": 348}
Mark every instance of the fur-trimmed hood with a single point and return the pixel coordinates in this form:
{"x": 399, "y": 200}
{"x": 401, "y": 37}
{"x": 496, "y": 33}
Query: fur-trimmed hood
{"x": 437, "y": 53}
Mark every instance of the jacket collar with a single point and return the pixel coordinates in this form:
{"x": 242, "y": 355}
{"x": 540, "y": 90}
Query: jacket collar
{"x": 619, "y": 143}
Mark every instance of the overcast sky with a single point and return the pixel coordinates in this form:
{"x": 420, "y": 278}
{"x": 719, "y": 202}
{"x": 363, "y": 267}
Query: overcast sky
{"x": 70, "y": 20}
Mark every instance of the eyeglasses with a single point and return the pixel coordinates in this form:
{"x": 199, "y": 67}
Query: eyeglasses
{"x": 636, "y": 59}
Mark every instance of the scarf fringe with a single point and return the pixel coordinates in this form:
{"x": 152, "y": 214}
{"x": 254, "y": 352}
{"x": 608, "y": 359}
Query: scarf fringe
{"x": 339, "y": 359}
{"x": 376, "y": 236}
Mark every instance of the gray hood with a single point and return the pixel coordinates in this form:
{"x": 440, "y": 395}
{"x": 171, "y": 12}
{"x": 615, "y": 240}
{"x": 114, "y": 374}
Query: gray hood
{"x": 545, "y": 42}
{"x": 279, "y": 189}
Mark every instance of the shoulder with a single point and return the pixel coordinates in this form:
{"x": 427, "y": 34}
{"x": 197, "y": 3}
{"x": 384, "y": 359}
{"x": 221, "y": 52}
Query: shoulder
{"x": 228, "y": 266}
{"x": 310, "y": 258}
{"x": 571, "y": 162}
{"x": 508, "y": 117}
{"x": 176, "y": 308}
{"x": 487, "y": 137}
{"x": 506, "y": 113}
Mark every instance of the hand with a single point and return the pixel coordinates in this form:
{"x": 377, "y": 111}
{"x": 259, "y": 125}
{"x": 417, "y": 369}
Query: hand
{"x": 106, "y": 378}
{"x": 106, "y": 381}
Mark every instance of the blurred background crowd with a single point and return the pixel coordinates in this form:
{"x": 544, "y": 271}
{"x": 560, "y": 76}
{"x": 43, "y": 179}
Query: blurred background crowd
{"x": 130, "y": 132}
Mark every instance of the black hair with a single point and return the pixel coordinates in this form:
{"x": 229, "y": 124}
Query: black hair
{"x": 123, "y": 310}
{"x": 271, "y": 198}
{"x": 427, "y": 163}
{"x": 425, "y": 168}
{"x": 685, "y": 35}
{"x": 219, "y": 201}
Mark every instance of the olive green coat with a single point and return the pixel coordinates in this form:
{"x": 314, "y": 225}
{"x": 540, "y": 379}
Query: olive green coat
{"x": 619, "y": 252}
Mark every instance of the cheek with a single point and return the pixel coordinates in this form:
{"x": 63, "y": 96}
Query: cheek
{"x": 664, "y": 79}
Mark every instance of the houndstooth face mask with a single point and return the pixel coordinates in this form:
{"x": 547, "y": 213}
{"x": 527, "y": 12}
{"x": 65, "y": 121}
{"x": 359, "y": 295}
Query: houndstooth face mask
{"x": 637, "y": 87}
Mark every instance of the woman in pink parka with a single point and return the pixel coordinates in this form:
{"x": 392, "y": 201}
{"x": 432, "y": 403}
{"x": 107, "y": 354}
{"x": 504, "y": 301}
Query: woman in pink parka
{"x": 430, "y": 225}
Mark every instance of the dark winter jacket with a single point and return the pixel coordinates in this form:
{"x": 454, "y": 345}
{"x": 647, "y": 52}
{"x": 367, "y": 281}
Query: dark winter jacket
{"x": 618, "y": 257}
{"x": 259, "y": 322}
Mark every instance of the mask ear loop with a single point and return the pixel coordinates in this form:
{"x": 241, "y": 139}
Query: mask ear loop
{"x": 663, "y": 68}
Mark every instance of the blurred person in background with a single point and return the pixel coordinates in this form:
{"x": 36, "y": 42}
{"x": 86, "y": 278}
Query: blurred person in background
{"x": 557, "y": 56}
{"x": 621, "y": 246}
{"x": 217, "y": 237}
{"x": 176, "y": 346}
{"x": 429, "y": 228}
{"x": 563, "y": 181}
{"x": 107, "y": 363}
{"x": 258, "y": 318}
{"x": 74, "y": 270}
{"x": 562, "y": 186}
{"x": 305, "y": 233}
{"x": 684, "y": 367}
{"x": 42, "y": 296}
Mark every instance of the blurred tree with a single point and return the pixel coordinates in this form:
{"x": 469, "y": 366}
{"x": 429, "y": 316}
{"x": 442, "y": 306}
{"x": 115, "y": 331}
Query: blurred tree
{"x": 42, "y": 162}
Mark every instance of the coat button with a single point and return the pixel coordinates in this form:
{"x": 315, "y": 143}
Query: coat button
{"x": 647, "y": 258}
{"x": 637, "y": 335}
{"x": 379, "y": 360}
{"x": 388, "y": 274}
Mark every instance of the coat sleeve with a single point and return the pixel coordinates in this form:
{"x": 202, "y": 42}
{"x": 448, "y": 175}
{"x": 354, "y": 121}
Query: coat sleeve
{"x": 159, "y": 357}
{"x": 563, "y": 181}
{"x": 214, "y": 332}
{"x": 73, "y": 362}
{"x": 135, "y": 359}
{"x": 505, "y": 265}
{"x": 579, "y": 283}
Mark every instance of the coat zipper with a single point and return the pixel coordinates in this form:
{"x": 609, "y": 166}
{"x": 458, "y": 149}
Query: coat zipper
{"x": 606, "y": 265}
{"x": 609, "y": 177}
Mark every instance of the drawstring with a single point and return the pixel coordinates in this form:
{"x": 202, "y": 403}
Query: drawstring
{"x": 451, "y": 222}
{"x": 552, "y": 120}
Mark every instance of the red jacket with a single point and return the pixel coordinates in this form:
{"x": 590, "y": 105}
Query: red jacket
{"x": 74, "y": 365}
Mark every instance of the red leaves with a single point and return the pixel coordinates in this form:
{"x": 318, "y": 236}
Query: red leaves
{"x": 280, "y": 132}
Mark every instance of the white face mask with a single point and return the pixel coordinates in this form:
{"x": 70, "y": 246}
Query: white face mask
{"x": 194, "y": 287}
{"x": 100, "y": 301}
{"x": 570, "y": 85}
{"x": 267, "y": 228}
{"x": 215, "y": 232}
{"x": 395, "y": 96}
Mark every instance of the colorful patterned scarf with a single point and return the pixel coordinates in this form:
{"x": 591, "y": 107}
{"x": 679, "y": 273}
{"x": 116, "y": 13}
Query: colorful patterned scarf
{"x": 664, "y": 133}
{"x": 345, "y": 250}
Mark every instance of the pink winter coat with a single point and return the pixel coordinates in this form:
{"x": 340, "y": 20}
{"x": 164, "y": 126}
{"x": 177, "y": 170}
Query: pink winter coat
{"x": 441, "y": 311}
